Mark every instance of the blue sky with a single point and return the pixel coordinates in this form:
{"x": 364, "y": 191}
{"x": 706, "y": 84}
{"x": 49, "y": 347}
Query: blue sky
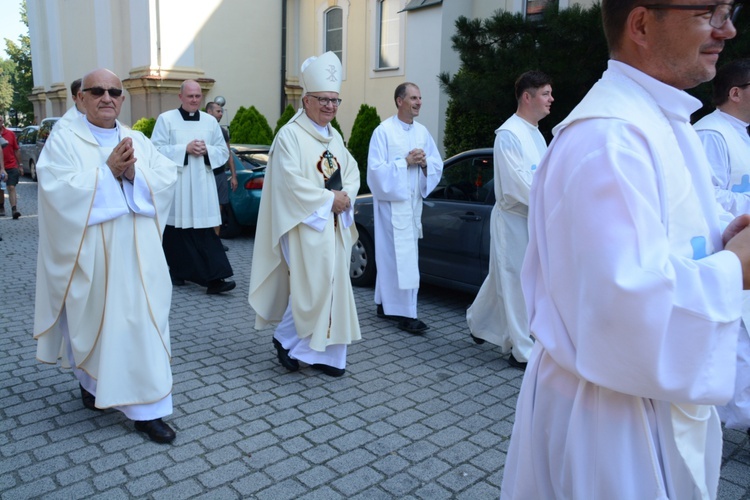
{"x": 10, "y": 25}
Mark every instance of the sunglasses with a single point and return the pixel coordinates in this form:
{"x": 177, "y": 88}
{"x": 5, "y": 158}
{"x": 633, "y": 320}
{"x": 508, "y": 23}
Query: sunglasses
{"x": 98, "y": 91}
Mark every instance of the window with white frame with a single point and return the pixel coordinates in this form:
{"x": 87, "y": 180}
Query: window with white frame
{"x": 389, "y": 33}
{"x": 335, "y": 32}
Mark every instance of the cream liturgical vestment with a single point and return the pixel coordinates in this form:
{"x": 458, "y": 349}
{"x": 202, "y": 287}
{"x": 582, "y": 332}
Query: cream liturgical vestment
{"x": 634, "y": 306}
{"x": 397, "y": 193}
{"x": 498, "y": 313}
{"x": 196, "y": 203}
{"x": 100, "y": 267}
{"x": 315, "y": 269}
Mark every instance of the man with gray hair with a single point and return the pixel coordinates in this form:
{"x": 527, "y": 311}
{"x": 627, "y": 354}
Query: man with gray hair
{"x": 303, "y": 243}
{"x": 633, "y": 277}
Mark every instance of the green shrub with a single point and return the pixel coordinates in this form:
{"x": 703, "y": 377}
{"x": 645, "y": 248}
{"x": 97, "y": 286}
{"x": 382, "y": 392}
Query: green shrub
{"x": 249, "y": 126}
{"x": 365, "y": 123}
{"x": 284, "y": 118}
{"x": 335, "y": 124}
{"x": 145, "y": 125}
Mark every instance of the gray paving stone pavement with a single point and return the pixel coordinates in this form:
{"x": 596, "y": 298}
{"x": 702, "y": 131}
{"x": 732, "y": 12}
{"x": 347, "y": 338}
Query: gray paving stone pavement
{"x": 413, "y": 418}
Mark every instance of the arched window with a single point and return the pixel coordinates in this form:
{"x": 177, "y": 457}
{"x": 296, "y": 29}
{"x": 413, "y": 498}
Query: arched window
{"x": 335, "y": 32}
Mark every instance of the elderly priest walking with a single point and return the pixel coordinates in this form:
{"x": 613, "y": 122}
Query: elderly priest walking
{"x": 303, "y": 243}
{"x": 103, "y": 291}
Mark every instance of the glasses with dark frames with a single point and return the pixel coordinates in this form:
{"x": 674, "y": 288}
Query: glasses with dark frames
{"x": 720, "y": 12}
{"x": 99, "y": 91}
{"x": 325, "y": 101}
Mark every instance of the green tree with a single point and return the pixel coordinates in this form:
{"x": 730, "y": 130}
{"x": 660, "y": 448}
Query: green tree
{"x": 365, "y": 123}
{"x": 495, "y": 51}
{"x": 7, "y": 68}
{"x": 22, "y": 79}
{"x": 335, "y": 124}
{"x": 145, "y": 125}
{"x": 249, "y": 126}
{"x": 284, "y": 118}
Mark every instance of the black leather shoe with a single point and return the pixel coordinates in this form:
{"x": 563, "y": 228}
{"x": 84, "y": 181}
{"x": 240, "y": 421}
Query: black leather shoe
{"x": 413, "y": 325}
{"x": 283, "y": 354}
{"x": 178, "y": 282}
{"x": 329, "y": 370}
{"x": 512, "y": 361}
{"x": 226, "y": 248}
{"x": 88, "y": 399}
{"x": 157, "y": 430}
{"x": 219, "y": 286}
{"x": 477, "y": 340}
{"x": 382, "y": 314}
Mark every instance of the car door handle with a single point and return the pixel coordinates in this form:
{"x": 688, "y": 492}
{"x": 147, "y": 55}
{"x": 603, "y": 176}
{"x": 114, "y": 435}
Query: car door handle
{"x": 470, "y": 217}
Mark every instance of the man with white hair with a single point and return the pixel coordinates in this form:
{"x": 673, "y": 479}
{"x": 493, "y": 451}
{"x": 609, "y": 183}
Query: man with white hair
{"x": 305, "y": 232}
{"x": 103, "y": 292}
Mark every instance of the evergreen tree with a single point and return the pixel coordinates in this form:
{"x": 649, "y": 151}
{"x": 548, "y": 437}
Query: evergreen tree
{"x": 335, "y": 124}
{"x": 365, "y": 123}
{"x": 284, "y": 118}
{"x": 567, "y": 44}
{"x": 249, "y": 126}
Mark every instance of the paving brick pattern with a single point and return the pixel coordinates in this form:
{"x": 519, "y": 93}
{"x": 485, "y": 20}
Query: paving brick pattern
{"x": 414, "y": 417}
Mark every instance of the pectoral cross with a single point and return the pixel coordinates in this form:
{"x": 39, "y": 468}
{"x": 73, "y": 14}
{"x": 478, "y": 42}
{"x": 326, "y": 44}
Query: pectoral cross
{"x": 329, "y": 158}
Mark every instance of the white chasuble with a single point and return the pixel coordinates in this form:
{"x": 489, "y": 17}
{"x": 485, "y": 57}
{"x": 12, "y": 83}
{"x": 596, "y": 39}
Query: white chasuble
{"x": 110, "y": 278}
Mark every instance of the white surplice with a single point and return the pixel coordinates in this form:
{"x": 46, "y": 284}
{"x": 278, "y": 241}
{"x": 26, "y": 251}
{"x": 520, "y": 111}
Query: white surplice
{"x": 100, "y": 267}
{"x": 727, "y": 144}
{"x": 196, "y": 203}
{"x": 633, "y": 304}
{"x": 498, "y": 313}
{"x": 397, "y": 193}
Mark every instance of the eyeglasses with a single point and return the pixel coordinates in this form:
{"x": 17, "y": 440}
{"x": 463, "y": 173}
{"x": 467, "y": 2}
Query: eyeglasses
{"x": 98, "y": 91}
{"x": 743, "y": 85}
{"x": 720, "y": 12}
{"x": 325, "y": 101}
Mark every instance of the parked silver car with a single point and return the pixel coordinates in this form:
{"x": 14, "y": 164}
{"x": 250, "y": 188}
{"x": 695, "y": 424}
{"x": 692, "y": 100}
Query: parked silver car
{"x": 27, "y": 146}
{"x": 31, "y": 142}
{"x": 455, "y": 249}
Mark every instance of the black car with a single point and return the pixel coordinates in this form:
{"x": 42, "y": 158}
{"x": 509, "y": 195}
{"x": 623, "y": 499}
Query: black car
{"x": 455, "y": 248}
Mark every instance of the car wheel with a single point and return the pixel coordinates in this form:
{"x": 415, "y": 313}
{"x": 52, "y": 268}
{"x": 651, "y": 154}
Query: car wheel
{"x": 362, "y": 270}
{"x": 232, "y": 228}
{"x": 32, "y": 170}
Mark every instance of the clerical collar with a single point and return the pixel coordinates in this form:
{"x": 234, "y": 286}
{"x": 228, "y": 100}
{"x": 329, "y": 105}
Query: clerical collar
{"x": 104, "y": 136}
{"x": 404, "y": 125}
{"x": 190, "y": 117}
{"x": 322, "y": 129}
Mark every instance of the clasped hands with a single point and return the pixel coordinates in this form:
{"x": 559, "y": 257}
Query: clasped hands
{"x": 196, "y": 147}
{"x": 417, "y": 157}
{"x": 122, "y": 160}
{"x": 341, "y": 202}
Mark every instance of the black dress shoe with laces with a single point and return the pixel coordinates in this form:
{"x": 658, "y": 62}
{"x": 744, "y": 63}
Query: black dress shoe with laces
{"x": 220, "y": 286}
{"x": 88, "y": 399}
{"x": 329, "y": 370}
{"x": 283, "y": 354}
{"x": 157, "y": 430}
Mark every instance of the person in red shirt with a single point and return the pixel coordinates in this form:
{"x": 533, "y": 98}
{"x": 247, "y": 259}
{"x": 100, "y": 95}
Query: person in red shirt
{"x": 13, "y": 168}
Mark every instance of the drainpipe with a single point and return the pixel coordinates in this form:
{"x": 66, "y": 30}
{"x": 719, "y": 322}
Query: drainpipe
{"x": 282, "y": 100}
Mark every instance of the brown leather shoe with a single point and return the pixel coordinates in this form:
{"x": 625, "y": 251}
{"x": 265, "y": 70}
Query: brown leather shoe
{"x": 157, "y": 430}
